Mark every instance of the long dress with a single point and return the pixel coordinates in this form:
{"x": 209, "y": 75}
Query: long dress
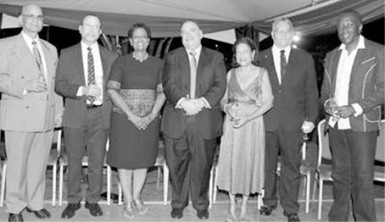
{"x": 136, "y": 82}
{"x": 242, "y": 150}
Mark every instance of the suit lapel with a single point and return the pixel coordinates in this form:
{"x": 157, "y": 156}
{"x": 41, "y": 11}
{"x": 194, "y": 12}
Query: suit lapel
{"x": 26, "y": 56}
{"x": 104, "y": 60}
{"x": 78, "y": 59}
{"x": 185, "y": 66}
{"x": 270, "y": 63}
{"x": 334, "y": 66}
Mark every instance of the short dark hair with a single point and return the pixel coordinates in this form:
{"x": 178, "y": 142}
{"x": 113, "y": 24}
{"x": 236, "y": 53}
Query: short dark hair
{"x": 137, "y": 26}
{"x": 353, "y": 13}
{"x": 248, "y": 41}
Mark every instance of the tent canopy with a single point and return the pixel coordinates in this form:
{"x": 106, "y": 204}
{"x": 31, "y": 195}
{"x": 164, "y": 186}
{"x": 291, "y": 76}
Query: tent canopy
{"x": 165, "y": 16}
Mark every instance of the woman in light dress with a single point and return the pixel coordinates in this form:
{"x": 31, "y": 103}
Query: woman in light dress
{"x": 242, "y": 151}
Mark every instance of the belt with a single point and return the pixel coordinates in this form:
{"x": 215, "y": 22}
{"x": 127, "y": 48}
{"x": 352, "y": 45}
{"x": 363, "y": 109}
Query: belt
{"x": 93, "y": 106}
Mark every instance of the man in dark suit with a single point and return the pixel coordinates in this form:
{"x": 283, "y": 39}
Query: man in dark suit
{"x": 295, "y": 110}
{"x": 194, "y": 82}
{"x": 29, "y": 111}
{"x": 354, "y": 84}
{"x": 81, "y": 78}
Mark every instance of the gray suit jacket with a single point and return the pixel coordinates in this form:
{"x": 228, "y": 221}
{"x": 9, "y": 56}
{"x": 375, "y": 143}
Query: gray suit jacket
{"x": 32, "y": 112}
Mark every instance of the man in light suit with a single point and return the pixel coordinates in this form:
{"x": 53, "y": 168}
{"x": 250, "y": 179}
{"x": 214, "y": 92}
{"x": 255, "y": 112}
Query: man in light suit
{"x": 295, "y": 110}
{"x": 354, "y": 84}
{"x": 194, "y": 82}
{"x": 29, "y": 111}
{"x": 81, "y": 78}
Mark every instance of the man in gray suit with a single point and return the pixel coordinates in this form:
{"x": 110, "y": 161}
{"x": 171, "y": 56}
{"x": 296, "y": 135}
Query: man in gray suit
{"x": 353, "y": 92}
{"x": 81, "y": 78}
{"x": 29, "y": 112}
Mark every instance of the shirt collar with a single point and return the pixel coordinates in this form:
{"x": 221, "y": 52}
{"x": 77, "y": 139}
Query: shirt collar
{"x": 94, "y": 47}
{"x": 197, "y": 51}
{"x": 360, "y": 45}
{"x": 278, "y": 50}
{"x": 28, "y": 39}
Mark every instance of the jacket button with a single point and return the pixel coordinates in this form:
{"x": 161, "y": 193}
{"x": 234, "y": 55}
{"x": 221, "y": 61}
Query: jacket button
{"x": 27, "y": 107}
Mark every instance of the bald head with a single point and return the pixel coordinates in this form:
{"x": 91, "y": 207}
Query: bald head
{"x": 31, "y": 19}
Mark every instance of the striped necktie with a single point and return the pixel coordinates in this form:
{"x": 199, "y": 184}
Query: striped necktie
{"x": 91, "y": 72}
{"x": 38, "y": 59}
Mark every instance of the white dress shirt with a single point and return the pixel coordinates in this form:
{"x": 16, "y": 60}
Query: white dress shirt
{"x": 341, "y": 93}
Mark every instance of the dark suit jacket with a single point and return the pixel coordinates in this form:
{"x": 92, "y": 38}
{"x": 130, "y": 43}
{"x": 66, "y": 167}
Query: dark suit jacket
{"x": 296, "y": 99}
{"x": 366, "y": 85}
{"x": 210, "y": 84}
{"x": 70, "y": 76}
{"x": 32, "y": 112}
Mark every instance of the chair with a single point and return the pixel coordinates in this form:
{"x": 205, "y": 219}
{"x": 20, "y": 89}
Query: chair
{"x": 52, "y": 161}
{"x": 324, "y": 168}
{"x": 160, "y": 163}
{"x": 63, "y": 161}
{"x": 306, "y": 170}
{"x": 379, "y": 171}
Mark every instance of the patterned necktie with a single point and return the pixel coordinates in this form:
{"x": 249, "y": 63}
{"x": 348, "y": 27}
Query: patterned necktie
{"x": 91, "y": 72}
{"x": 283, "y": 64}
{"x": 193, "y": 74}
{"x": 38, "y": 59}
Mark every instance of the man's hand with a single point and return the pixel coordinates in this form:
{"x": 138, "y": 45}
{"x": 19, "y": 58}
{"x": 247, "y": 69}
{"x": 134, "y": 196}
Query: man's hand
{"x": 36, "y": 85}
{"x": 58, "y": 120}
{"x": 345, "y": 111}
{"x": 92, "y": 91}
{"x": 191, "y": 107}
{"x": 307, "y": 127}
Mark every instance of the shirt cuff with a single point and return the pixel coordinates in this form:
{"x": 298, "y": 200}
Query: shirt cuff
{"x": 358, "y": 109}
{"x": 177, "y": 106}
{"x": 207, "y": 104}
{"x": 79, "y": 93}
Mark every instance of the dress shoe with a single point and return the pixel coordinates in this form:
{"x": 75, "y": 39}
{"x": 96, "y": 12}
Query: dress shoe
{"x": 291, "y": 217}
{"x": 94, "y": 208}
{"x": 266, "y": 210}
{"x": 177, "y": 213}
{"x": 203, "y": 214}
{"x": 69, "y": 211}
{"x": 42, "y": 214}
{"x": 15, "y": 218}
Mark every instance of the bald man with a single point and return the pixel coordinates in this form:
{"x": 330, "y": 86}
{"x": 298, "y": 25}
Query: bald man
{"x": 29, "y": 111}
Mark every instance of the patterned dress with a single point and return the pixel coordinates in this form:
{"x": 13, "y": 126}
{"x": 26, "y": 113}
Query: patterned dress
{"x": 242, "y": 150}
{"x": 136, "y": 82}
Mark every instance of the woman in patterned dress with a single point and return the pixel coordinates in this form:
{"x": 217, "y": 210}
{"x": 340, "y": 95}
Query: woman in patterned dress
{"x": 242, "y": 151}
{"x": 137, "y": 95}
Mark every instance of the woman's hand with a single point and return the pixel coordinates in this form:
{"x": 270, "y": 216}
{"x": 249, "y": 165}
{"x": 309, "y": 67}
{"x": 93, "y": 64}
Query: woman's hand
{"x": 240, "y": 121}
{"x": 137, "y": 121}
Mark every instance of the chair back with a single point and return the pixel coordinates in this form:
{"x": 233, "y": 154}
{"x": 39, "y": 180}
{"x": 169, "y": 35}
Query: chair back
{"x": 323, "y": 143}
{"x": 380, "y": 149}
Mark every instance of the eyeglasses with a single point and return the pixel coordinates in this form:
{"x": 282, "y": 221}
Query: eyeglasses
{"x": 32, "y": 17}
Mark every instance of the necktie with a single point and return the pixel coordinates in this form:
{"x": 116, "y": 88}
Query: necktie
{"x": 91, "y": 72}
{"x": 283, "y": 64}
{"x": 193, "y": 74}
{"x": 38, "y": 59}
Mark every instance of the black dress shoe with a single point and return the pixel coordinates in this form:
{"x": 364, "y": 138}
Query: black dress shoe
{"x": 15, "y": 218}
{"x": 291, "y": 217}
{"x": 266, "y": 210}
{"x": 69, "y": 211}
{"x": 203, "y": 214}
{"x": 177, "y": 213}
{"x": 94, "y": 208}
{"x": 42, "y": 214}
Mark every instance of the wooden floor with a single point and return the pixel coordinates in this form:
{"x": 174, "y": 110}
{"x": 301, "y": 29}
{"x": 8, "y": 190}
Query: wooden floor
{"x": 152, "y": 195}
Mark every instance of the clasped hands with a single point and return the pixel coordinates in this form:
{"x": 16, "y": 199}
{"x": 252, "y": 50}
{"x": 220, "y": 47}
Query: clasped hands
{"x": 340, "y": 111}
{"x": 141, "y": 122}
{"x": 92, "y": 91}
{"x": 192, "y": 106}
{"x": 238, "y": 115}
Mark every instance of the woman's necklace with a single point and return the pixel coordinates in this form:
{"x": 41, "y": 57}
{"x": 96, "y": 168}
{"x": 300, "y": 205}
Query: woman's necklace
{"x": 140, "y": 56}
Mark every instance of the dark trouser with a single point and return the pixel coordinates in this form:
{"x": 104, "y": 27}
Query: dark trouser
{"x": 189, "y": 160}
{"x": 93, "y": 136}
{"x": 353, "y": 165}
{"x": 289, "y": 145}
